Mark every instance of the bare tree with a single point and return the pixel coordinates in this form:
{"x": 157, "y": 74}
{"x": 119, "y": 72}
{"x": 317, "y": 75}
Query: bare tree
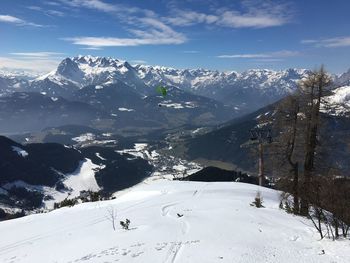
{"x": 111, "y": 215}
{"x": 287, "y": 122}
{"x": 305, "y": 146}
{"x": 312, "y": 89}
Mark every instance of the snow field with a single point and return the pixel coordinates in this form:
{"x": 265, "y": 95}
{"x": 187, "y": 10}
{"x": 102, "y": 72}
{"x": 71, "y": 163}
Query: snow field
{"x": 170, "y": 222}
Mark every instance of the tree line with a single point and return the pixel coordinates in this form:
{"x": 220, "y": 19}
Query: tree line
{"x": 303, "y": 157}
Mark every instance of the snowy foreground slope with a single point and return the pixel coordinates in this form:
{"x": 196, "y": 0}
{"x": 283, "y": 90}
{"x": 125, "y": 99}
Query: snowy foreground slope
{"x": 218, "y": 225}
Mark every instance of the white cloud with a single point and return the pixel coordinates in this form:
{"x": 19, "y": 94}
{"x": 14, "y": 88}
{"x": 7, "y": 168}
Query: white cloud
{"x": 102, "y": 6}
{"x": 35, "y": 8}
{"x": 145, "y": 28}
{"x": 47, "y": 12}
{"x": 92, "y": 4}
{"x": 154, "y": 32}
{"x": 37, "y": 54}
{"x": 236, "y": 20}
{"x": 138, "y": 61}
{"x": 91, "y": 48}
{"x": 98, "y": 42}
{"x": 329, "y": 42}
{"x": 17, "y": 21}
{"x": 10, "y": 19}
{"x": 55, "y": 13}
{"x": 188, "y": 18}
{"x": 269, "y": 55}
{"x": 253, "y": 14}
{"x": 190, "y": 51}
{"x": 42, "y": 61}
{"x": 31, "y": 64}
{"x": 309, "y": 41}
{"x": 52, "y": 3}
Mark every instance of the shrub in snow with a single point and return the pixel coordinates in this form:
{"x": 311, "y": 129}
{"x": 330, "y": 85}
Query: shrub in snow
{"x": 258, "y": 200}
{"x": 125, "y": 224}
{"x": 287, "y": 207}
{"x": 95, "y": 196}
{"x": 65, "y": 202}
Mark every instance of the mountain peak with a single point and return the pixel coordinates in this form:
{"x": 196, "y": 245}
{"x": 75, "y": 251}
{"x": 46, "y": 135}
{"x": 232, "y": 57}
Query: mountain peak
{"x": 67, "y": 67}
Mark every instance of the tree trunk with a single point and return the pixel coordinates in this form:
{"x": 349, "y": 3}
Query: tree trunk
{"x": 261, "y": 165}
{"x": 296, "y": 188}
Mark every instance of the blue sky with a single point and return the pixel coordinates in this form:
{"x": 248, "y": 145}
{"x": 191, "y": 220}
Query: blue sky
{"x": 215, "y": 34}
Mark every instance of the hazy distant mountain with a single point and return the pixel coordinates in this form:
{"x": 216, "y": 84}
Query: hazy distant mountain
{"x": 342, "y": 79}
{"x": 29, "y": 111}
{"x": 130, "y": 109}
{"x": 13, "y": 82}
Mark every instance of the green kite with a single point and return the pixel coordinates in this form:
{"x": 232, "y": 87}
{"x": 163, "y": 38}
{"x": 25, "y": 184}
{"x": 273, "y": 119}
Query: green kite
{"x": 162, "y": 90}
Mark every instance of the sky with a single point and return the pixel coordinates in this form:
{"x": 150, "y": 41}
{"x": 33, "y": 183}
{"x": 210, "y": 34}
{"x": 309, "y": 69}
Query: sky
{"x": 35, "y": 35}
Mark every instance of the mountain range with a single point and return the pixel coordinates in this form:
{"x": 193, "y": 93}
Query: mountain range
{"x": 253, "y": 88}
{"x": 112, "y": 94}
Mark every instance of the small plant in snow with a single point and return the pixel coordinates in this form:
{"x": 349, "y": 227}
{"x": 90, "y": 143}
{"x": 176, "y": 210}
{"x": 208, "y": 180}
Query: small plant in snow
{"x": 112, "y": 216}
{"x": 258, "y": 200}
{"x": 281, "y": 205}
{"x": 125, "y": 224}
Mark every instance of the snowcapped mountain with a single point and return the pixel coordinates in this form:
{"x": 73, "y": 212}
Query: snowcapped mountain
{"x": 252, "y": 88}
{"x": 248, "y": 90}
{"x": 171, "y": 222}
{"x": 77, "y": 72}
{"x": 195, "y": 95}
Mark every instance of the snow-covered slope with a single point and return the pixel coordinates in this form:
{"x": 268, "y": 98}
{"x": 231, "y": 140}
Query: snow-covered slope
{"x": 338, "y": 103}
{"x": 170, "y": 222}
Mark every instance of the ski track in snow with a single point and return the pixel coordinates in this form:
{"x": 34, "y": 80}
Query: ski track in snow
{"x": 176, "y": 247}
{"x": 159, "y": 234}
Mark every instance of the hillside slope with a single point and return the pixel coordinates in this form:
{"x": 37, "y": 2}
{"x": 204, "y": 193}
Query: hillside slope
{"x": 171, "y": 222}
